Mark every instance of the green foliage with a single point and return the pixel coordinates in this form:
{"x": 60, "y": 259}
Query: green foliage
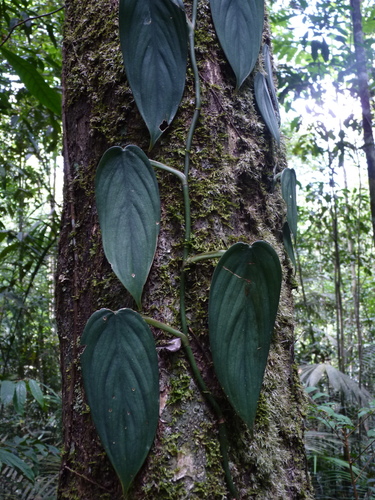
{"x": 265, "y": 105}
{"x": 37, "y": 393}
{"x": 288, "y": 245}
{"x": 16, "y": 392}
{"x": 10, "y": 459}
{"x": 316, "y": 309}
{"x": 321, "y": 49}
{"x": 19, "y": 398}
{"x": 154, "y": 39}
{"x": 289, "y": 194}
{"x": 336, "y": 257}
{"x": 29, "y": 459}
{"x": 339, "y": 446}
{"x": 128, "y": 203}
{"x": 269, "y": 78}
{"x": 239, "y": 27}
{"x": 32, "y": 56}
{"x": 29, "y": 144}
{"x": 27, "y": 336}
{"x": 288, "y": 190}
{"x": 120, "y": 372}
{"x": 30, "y": 106}
{"x": 348, "y": 388}
{"x": 34, "y": 82}
{"x": 244, "y": 299}
{"x": 334, "y": 304}
{"x": 44, "y": 485}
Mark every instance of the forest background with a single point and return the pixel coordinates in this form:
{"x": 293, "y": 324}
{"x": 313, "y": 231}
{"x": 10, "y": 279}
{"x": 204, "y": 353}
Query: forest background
{"x": 322, "y": 125}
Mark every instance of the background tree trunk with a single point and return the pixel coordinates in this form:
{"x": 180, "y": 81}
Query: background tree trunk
{"x": 232, "y": 200}
{"x": 364, "y": 96}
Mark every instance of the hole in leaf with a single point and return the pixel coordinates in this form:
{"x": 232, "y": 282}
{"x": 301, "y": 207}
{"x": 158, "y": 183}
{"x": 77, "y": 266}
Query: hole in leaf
{"x": 163, "y": 125}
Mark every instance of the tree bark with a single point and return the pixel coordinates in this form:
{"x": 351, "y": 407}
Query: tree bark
{"x": 364, "y": 96}
{"x": 232, "y": 200}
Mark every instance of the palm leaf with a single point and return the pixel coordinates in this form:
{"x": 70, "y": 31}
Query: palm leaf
{"x": 311, "y": 375}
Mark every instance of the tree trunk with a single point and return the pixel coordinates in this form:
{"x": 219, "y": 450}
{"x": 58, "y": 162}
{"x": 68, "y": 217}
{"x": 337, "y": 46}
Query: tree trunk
{"x": 231, "y": 200}
{"x": 364, "y": 96}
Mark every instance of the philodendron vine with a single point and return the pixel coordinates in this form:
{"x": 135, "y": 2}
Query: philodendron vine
{"x": 119, "y": 363}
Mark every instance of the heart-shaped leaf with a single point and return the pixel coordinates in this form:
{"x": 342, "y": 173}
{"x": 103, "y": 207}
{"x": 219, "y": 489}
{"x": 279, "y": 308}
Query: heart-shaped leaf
{"x": 289, "y": 194}
{"x": 264, "y": 102}
{"x": 128, "y": 203}
{"x": 269, "y": 79}
{"x": 239, "y": 26}
{"x": 244, "y": 298}
{"x": 120, "y": 375}
{"x": 154, "y": 44}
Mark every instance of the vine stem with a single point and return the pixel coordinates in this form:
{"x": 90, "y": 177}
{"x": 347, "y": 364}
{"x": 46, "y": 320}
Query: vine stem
{"x": 186, "y": 344}
{"x": 189, "y": 140}
{"x": 216, "y": 254}
{"x": 187, "y": 243}
{"x": 197, "y": 89}
{"x": 185, "y": 191}
{"x": 20, "y": 23}
{"x": 171, "y": 170}
{"x": 223, "y": 440}
{"x": 87, "y": 479}
{"x": 184, "y": 177}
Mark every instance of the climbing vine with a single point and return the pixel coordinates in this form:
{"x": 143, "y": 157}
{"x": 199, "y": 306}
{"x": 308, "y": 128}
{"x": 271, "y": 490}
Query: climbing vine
{"x": 119, "y": 363}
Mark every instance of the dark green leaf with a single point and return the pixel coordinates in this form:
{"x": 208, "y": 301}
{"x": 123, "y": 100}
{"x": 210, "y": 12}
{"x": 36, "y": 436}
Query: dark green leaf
{"x": 325, "y": 51}
{"x": 239, "y": 26}
{"x": 5, "y": 105}
{"x": 127, "y": 198}
{"x": 7, "y": 391}
{"x": 287, "y": 239}
{"x": 120, "y": 374}
{"x": 265, "y": 106}
{"x": 11, "y": 460}
{"x": 315, "y": 46}
{"x": 289, "y": 194}
{"x": 34, "y": 82}
{"x": 19, "y": 398}
{"x": 269, "y": 79}
{"x": 244, "y": 298}
{"x": 36, "y": 392}
{"x": 154, "y": 36}
{"x": 9, "y": 249}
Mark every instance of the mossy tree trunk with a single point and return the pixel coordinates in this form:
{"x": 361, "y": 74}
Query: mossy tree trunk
{"x": 233, "y": 199}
